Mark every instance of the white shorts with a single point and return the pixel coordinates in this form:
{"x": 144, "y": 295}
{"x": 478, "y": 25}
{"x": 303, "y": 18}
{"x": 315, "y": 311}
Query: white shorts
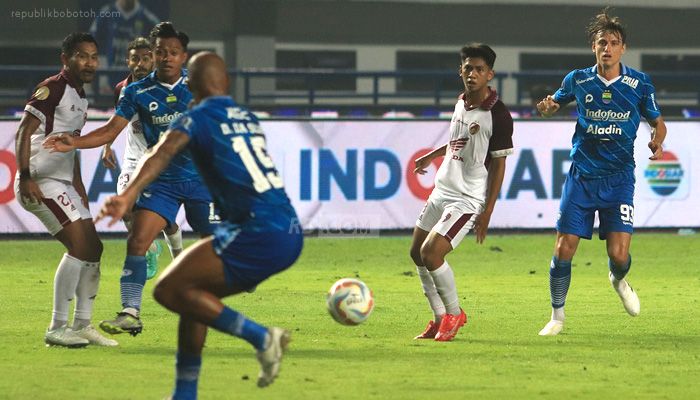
{"x": 451, "y": 219}
{"x": 127, "y": 172}
{"x": 61, "y": 204}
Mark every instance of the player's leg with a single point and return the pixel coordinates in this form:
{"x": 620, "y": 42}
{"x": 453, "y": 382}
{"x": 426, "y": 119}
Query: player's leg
{"x": 58, "y": 212}
{"x": 192, "y": 287}
{"x": 560, "y": 280}
{"x": 156, "y": 207}
{"x": 194, "y": 283}
{"x": 456, "y": 221}
{"x": 191, "y": 335}
{"x": 426, "y": 220}
{"x": 618, "y": 244}
{"x": 616, "y": 228}
{"x": 146, "y": 226}
{"x": 576, "y": 218}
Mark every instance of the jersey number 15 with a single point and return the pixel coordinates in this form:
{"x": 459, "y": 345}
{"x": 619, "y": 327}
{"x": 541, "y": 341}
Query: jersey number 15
{"x": 261, "y": 181}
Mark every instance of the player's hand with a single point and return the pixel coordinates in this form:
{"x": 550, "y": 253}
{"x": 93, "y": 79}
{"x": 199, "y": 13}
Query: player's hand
{"x": 421, "y": 163}
{"x": 657, "y": 150}
{"x": 29, "y": 191}
{"x": 109, "y": 159}
{"x": 481, "y": 226}
{"x": 115, "y": 207}
{"x": 547, "y": 107}
{"x": 62, "y": 143}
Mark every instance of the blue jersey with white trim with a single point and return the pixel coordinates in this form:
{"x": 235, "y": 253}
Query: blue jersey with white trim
{"x": 609, "y": 113}
{"x": 229, "y": 149}
{"x": 158, "y": 104}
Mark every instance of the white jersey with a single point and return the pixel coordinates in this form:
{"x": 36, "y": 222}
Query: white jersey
{"x": 476, "y": 136}
{"x": 61, "y": 106}
{"x": 135, "y": 141}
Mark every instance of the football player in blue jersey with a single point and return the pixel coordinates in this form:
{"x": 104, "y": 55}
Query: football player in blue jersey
{"x": 158, "y": 99}
{"x": 611, "y": 98}
{"x": 228, "y": 147}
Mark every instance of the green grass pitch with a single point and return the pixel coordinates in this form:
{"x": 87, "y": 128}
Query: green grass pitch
{"x": 503, "y": 285}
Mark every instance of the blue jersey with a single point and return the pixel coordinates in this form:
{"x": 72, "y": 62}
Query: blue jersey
{"x": 608, "y": 118}
{"x": 229, "y": 149}
{"x": 157, "y": 105}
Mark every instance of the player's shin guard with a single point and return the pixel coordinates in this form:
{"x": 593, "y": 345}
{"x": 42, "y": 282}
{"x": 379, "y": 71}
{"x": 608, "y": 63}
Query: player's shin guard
{"x": 132, "y": 281}
{"x": 559, "y": 281}
{"x": 236, "y": 324}
{"x": 619, "y": 271}
{"x": 431, "y": 293}
{"x": 187, "y": 368}
{"x": 85, "y": 293}
{"x": 174, "y": 242}
{"x": 64, "y": 285}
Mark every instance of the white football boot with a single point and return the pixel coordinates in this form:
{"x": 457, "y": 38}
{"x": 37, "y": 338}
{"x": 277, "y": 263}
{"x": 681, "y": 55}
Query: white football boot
{"x": 629, "y": 297}
{"x": 66, "y": 337}
{"x": 91, "y": 334}
{"x": 553, "y": 328}
{"x": 271, "y": 357}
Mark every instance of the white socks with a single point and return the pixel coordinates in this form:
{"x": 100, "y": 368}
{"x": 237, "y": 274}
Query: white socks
{"x": 444, "y": 280}
{"x": 85, "y": 293}
{"x": 558, "y": 314}
{"x": 64, "y": 285}
{"x": 174, "y": 242}
{"x": 431, "y": 293}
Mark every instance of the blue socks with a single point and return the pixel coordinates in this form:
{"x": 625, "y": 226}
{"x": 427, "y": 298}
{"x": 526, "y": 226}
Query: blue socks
{"x": 234, "y": 323}
{"x": 559, "y": 280}
{"x": 132, "y": 281}
{"x": 619, "y": 271}
{"x": 187, "y": 368}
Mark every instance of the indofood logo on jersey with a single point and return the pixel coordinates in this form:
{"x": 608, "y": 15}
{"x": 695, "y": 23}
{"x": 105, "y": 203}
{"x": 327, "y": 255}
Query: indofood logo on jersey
{"x": 664, "y": 175}
{"x": 607, "y": 115}
{"x": 165, "y": 118}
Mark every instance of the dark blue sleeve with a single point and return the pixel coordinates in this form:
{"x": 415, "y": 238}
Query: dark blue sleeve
{"x": 566, "y": 94}
{"x": 649, "y": 108}
{"x": 185, "y": 123}
{"x": 127, "y": 107}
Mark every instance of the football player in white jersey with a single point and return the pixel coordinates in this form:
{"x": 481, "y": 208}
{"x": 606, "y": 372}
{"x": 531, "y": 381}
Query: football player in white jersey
{"x": 466, "y": 187}
{"x": 140, "y": 62}
{"x": 49, "y": 186}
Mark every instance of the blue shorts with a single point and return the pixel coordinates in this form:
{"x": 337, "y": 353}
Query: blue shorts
{"x": 611, "y": 196}
{"x": 165, "y": 199}
{"x": 251, "y": 257}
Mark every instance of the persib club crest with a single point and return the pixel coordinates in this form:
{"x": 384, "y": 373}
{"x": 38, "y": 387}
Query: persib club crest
{"x": 664, "y": 175}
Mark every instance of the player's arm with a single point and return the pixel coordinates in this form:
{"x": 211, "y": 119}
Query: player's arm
{"x": 658, "y": 135}
{"x": 78, "y": 181}
{"x": 28, "y": 189}
{"x": 497, "y": 170}
{"x": 150, "y": 167}
{"x": 102, "y": 135}
{"x": 421, "y": 163}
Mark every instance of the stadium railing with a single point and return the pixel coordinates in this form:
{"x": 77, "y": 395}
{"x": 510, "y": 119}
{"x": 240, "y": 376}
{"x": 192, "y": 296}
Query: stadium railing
{"x": 312, "y": 89}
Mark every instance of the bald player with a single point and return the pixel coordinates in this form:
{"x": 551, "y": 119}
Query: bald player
{"x": 228, "y": 147}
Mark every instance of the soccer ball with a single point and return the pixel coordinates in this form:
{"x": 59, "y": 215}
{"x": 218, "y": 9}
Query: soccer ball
{"x": 349, "y": 301}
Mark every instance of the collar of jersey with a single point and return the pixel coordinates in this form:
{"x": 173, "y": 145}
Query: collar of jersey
{"x": 623, "y": 69}
{"x": 488, "y": 102}
{"x": 154, "y": 78}
{"x": 65, "y": 75}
